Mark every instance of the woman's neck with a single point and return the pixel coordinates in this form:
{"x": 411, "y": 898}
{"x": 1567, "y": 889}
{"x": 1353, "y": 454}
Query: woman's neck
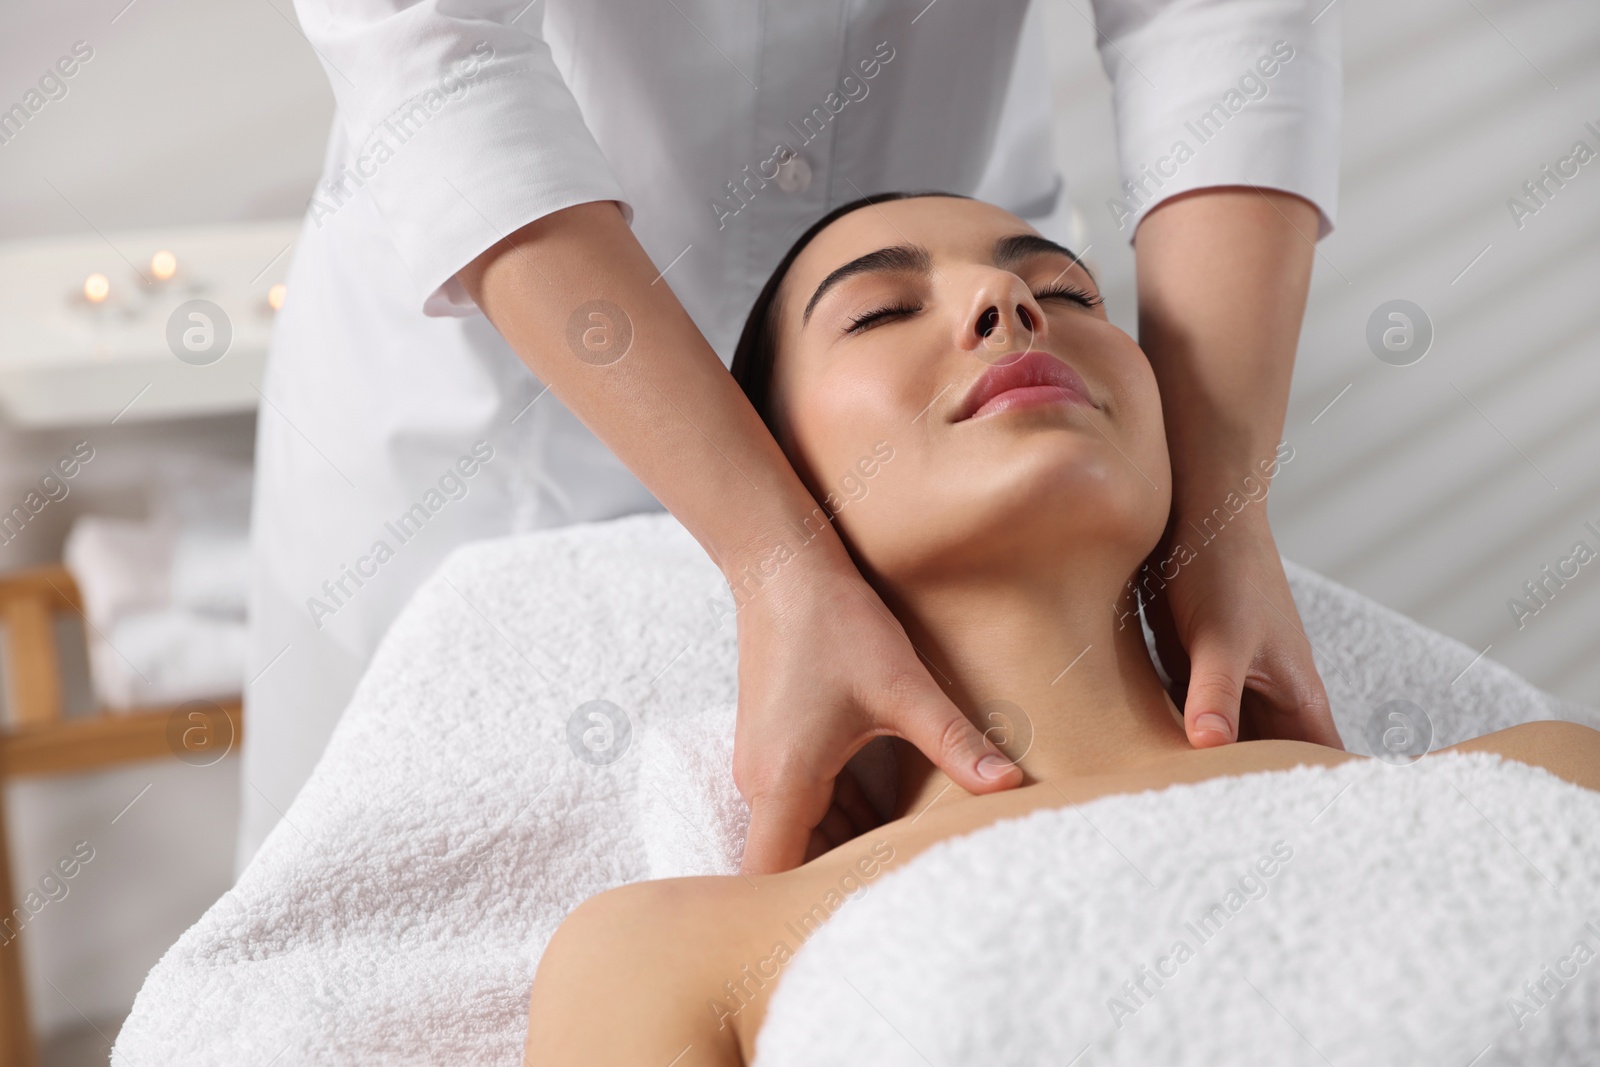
{"x": 1054, "y": 670}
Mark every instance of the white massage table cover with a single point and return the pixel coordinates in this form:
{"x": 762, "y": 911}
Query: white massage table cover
{"x": 397, "y": 913}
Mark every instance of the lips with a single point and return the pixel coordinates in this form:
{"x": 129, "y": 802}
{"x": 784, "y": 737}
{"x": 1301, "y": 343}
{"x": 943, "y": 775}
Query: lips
{"x": 1033, "y": 378}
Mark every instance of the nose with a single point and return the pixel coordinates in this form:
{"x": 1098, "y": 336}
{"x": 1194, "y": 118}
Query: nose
{"x": 1002, "y": 317}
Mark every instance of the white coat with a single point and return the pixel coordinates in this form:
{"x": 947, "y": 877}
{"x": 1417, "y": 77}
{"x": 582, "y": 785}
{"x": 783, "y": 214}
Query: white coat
{"x": 396, "y": 424}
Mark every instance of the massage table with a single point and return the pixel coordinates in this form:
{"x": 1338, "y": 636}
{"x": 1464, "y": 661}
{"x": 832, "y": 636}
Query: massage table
{"x": 552, "y": 715}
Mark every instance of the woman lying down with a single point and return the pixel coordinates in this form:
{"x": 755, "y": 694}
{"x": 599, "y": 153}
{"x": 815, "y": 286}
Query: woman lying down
{"x": 1029, "y": 480}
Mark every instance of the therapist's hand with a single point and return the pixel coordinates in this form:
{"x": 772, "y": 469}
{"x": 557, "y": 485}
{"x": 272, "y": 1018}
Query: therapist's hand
{"x": 823, "y": 668}
{"x": 1228, "y": 632}
{"x": 1223, "y": 275}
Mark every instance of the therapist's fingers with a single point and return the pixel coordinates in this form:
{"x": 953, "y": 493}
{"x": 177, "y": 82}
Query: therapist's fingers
{"x": 1211, "y": 705}
{"x": 1229, "y": 635}
{"x": 784, "y": 833}
{"x": 1300, "y": 711}
{"x": 1286, "y": 698}
{"x": 918, "y": 711}
{"x": 852, "y": 802}
{"x": 818, "y": 845}
{"x": 836, "y": 828}
{"x": 823, "y": 668}
{"x": 1208, "y": 671}
{"x": 788, "y": 768}
{"x": 782, "y": 824}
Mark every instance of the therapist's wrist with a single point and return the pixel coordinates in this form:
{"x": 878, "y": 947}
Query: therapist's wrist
{"x": 1200, "y": 487}
{"x": 786, "y": 549}
{"x": 1214, "y": 450}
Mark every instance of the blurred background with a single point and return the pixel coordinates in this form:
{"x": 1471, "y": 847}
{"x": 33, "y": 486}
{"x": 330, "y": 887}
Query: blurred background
{"x": 174, "y": 164}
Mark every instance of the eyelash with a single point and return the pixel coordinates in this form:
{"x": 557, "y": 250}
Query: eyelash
{"x": 1079, "y": 296}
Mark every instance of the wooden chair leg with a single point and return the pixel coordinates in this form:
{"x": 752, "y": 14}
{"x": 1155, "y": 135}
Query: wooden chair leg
{"x": 16, "y": 1026}
{"x": 35, "y": 678}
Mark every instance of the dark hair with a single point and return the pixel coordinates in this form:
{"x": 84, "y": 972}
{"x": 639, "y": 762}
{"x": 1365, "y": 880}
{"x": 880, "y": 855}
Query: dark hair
{"x": 754, "y": 355}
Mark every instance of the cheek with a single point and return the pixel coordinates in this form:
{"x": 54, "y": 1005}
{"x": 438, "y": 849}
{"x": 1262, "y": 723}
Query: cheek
{"x": 894, "y": 515}
{"x": 1140, "y": 408}
{"x": 867, "y": 461}
{"x": 833, "y": 430}
{"x": 1144, "y": 437}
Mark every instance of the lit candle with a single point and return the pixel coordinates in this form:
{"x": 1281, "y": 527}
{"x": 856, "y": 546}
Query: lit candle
{"x": 275, "y": 296}
{"x": 163, "y": 265}
{"x": 96, "y": 287}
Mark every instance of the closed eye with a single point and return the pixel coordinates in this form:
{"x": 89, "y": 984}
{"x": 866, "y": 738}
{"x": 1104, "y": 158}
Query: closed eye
{"x": 1079, "y": 296}
{"x": 1071, "y": 293}
{"x": 883, "y": 314}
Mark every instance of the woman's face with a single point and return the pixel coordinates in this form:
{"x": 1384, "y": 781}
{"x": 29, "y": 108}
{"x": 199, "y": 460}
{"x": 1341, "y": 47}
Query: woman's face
{"x": 949, "y": 387}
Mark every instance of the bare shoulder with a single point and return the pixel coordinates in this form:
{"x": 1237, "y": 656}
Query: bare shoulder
{"x": 1567, "y": 750}
{"x": 1281, "y": 754}
{"x": 1241, "y": 757}
{"x": 623, "y": 979}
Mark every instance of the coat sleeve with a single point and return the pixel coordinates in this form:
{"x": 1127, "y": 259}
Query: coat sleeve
{"x": 460, "y": 128}
{"x": 1222, "y": 92}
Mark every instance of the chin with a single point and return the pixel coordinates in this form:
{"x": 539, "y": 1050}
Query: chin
{"x": 1065, "y": 470}
{"x": 1043, "y": 486}
{"x": 1027, "y": 518}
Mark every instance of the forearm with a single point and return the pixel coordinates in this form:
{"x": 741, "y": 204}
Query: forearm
{"x": 668, "y": 407}
{"x": 1223, "y": 276}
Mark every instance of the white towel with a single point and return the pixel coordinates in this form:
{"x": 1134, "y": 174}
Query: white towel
{"x": 165, "y": 596}
{"x": 167, "y": 657}
{"x": 465, "y": 803}
{"x": 121, "y": 566}
{"x": 211, "y": 572}
{"x": 1364, "y": 914}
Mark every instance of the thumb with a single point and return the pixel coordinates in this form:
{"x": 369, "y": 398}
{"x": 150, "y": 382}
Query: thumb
{"x": 932, "y": 722}
{"x": 1216, "y": 685}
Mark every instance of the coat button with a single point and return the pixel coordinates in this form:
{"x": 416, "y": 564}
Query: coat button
{"x": 794, "y": 174}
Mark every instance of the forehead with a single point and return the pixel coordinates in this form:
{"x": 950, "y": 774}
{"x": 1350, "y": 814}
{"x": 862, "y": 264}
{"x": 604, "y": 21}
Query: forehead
{"x": 950, "y": 228}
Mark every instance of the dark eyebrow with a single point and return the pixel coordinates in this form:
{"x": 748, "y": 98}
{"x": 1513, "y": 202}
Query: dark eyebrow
{"x": 905, "y": 258}
{"x": 1009, "y": 251}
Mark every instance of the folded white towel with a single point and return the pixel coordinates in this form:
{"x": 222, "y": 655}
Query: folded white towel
{"x": 121, "y": 566}
{"x": 469, "y": 799}
{"x": 211, "y": 572}
{"x": 166, "y": 657}
{"x": 1364, "y": 914}
{"x": 166, "y": 596}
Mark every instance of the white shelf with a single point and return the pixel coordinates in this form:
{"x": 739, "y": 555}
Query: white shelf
{"x": 64, "y": 361}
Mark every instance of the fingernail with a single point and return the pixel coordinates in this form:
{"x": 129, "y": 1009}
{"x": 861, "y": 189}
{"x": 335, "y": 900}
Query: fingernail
{"x": 994, "y": 767}
{"x": 1212, "y": 723}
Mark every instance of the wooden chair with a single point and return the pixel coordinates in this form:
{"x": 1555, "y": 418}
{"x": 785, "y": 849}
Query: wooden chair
{"x": 40, "y": 740}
